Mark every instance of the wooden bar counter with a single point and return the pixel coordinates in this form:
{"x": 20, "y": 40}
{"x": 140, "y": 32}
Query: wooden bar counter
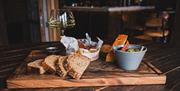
{"x": 109, "y": 9}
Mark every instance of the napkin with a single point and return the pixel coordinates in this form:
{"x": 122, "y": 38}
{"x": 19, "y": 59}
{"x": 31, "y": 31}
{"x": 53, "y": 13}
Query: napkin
{"x": 70, "y": 43}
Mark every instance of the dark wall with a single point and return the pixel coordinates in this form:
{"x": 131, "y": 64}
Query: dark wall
{"x": 21, "y": 21}
{"x": 3, "y": 37}
{"x": 176, "y": 33}
{"x": 16, "y": 16}
{"x": 109, "y": 25}
{"x": 93, "y": 23}
{"x": 165, "y": 4}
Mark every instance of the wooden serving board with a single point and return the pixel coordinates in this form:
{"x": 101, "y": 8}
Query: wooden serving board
{"x": 98, "y": 73}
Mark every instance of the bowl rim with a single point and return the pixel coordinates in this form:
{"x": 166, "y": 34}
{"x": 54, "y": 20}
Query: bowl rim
{"x": 52, "y": 48}
{"x": 118, "y": 46}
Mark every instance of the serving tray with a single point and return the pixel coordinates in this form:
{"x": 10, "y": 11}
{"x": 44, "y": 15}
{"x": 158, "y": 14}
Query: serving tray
{"x": 98, "y": 73}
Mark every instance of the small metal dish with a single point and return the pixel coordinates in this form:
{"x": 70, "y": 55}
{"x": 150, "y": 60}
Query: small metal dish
{"x": 53, "y": 50}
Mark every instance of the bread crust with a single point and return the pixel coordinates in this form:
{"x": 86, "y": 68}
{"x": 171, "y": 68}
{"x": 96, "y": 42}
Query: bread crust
{"x": 36, "y": 66}
{"x": 60, "y": 70}
{"x": 49, "y": 63}
{"x": 73, "y": 65}
{"x": 77, "y": 64}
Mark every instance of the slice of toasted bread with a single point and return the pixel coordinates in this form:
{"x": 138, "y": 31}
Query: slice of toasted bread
{"x": 36, "y": 67}
{"x": 76, "y": 65}
{"x": 49, "y": 63}
{"x": 60, "y": 69}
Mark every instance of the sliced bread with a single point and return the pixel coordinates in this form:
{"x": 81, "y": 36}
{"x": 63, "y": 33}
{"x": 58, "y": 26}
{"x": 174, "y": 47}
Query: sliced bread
{"x": 60, "y": 70}
{"x": 49, "y": 63}
{"x": 36, "y": 66}
{"x": 76, "y": 65}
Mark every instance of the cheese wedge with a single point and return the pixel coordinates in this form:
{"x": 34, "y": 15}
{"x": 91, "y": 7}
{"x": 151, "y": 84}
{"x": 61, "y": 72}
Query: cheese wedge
{"x": 120, "y": 40}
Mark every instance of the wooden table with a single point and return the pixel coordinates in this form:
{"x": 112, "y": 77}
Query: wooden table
{"x": 164, "y": 57}
{"x": 98, "y": 73}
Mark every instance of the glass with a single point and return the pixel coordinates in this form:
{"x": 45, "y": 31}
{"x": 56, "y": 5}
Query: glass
{"x": 61, "y": 19}
{"x": 53, "y": 20}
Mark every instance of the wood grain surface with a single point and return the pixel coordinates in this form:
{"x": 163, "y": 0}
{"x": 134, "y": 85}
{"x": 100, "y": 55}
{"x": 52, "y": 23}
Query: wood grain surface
{"x": 98, "y": 73}
{"x": 155, "y": 54}
{"x": 110, "y": 9}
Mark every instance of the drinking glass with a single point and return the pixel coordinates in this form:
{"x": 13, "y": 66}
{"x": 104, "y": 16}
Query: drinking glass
{"x": 62, "y": 19}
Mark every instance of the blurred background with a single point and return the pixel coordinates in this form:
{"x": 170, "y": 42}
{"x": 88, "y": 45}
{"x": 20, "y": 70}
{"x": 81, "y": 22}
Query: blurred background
{"x": 25, "y": 21}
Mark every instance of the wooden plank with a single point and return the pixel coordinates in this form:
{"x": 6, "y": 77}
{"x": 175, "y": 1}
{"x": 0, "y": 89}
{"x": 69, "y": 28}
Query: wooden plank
{"x": 8, "y": 65}
{"x": 110, "y": 9}
{"x": 42, "y": 26}
{"x": 165, "y": 65}
{"x": 100, "y": 81}
{"x": 45, "y": 19}
{"x": 173, "y": 80}
{"x": 130, "y": 8}
{"x": 54, "y": 33}
{"x": 154, "y": 68}
{"x": 99, "y": 73}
